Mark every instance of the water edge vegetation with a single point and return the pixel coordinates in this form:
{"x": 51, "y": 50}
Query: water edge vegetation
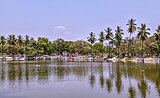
{"x": 109, "y": 44}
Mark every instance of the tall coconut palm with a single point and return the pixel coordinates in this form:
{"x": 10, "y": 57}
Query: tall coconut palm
{"x": 26, "y": 42}
{"x": 143, "y": 34}
{"x": 20, "y": 42}
{"x": 2, "y": 41}
{"x": 102, "y": 39}
{"x": 118, "y": 37}
{"x": 27, "y": 39}
{"x": 157, "y": 38}
{"x": 12, "y": 42}
{"x": 131, "y": 29}
{"x": 91, "y": 39}
{"x": 109, "y": 37}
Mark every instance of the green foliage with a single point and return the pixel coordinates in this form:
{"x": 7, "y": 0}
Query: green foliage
{"x": 115, "y": 44}
{"x": 118, "y": 38}
{"x": 143, "y": 34}
{"x": 91, "y": 38}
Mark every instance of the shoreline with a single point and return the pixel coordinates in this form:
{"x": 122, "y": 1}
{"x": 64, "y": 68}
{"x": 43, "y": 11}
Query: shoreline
{"x": 137, "y": 60}
{"x": 82, "y": 59}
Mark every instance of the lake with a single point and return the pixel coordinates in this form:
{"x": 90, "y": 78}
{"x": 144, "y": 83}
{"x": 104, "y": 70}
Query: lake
{"x": 53, "y": 79}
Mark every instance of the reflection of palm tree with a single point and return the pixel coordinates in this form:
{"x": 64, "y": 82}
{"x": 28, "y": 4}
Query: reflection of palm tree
{"x": 109, "y": 85}
{"x": 142, "y": 86}
{"x": 20, "y": 72}
{"x": 158, "y": 83}
{"x": 109, "y": 81}
{"x": 131, "y": 89}
{"x": 60, "y": 71}
{"x": 43, "y": 72}
{"x": 27, "y": 72}
{"x": 92, "y": 77}
{"x": 101, "y": 76}
{"x": 118, "y": 79}
{"x": 11, "y": 72}
{"x": 132, "y": 92}
{"x": 3, "y": 72}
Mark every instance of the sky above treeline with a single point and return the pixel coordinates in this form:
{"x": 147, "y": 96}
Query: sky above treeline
{"x": 74, "y": 19}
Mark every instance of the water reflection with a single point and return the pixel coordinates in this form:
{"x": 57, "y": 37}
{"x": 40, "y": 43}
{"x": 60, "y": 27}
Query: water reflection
{"x": 27, "y": 72}
{"x": 109, "y": 80}
{"x": 131, "y": 89}
{"x": 142, "y": 85}
{"x": 118, "y": 78}
{"x": 42, "y": 72}
{"x": 101, "y": 79}
{"x": 136, "y": 80}
{"x": 2, "y": 72}
{"x": 11, "y": 72}
{"x": 92, "y": 76}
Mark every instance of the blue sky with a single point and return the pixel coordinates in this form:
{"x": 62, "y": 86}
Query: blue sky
{"x": 74, "y": 19}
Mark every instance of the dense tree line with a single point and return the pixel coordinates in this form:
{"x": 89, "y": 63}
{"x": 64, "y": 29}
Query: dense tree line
{"x": 27, "y": 46}
{"x": 141, "y": 45}
{"x": 110, "y": 43}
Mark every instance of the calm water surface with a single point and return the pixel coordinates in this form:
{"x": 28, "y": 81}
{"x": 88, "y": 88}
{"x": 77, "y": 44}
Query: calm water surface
{"x": 50, "y": 79}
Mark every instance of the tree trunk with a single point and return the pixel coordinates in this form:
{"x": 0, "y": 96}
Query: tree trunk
{"x": 118, "y": 50}
{"x": 91, "y": 50}
{"x": 102, "y": 49}
{"x": 128, "y": 47}
{"x": 20, "y": 50}
{"x": 13, "y": 53}
{"x": 158, "y": 51}
{"x": 142, "y": 49}
{"x": 2, "y": 52}
{"x": 25, "y": 50}
{"x": 129, "y": 44}
{"x": 109, "y": 50}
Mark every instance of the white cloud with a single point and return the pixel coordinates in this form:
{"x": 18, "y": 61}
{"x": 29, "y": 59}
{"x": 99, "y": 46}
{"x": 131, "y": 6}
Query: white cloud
{"x": 60, "y": 29}
{"x": 63, "y": 30}
{"x": 67, "y": 32}
{"x": 70, "y": 33}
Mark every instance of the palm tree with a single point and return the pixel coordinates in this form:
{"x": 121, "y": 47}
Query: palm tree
{"x": 26, "y": 42}
{"x": 157, "y": 38}
{"x": 109, "y": 37}
{"x": 2, "y": 41}
{"x": 143, "y": 34}
{"x": 118, "y": 37}
{"x": 131, "y": 29}
{"x": 91, "y": 39}
{"x": 102, "y": 39}
{"x": 20, "y": 42}
{"x": 12, "y": 42}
